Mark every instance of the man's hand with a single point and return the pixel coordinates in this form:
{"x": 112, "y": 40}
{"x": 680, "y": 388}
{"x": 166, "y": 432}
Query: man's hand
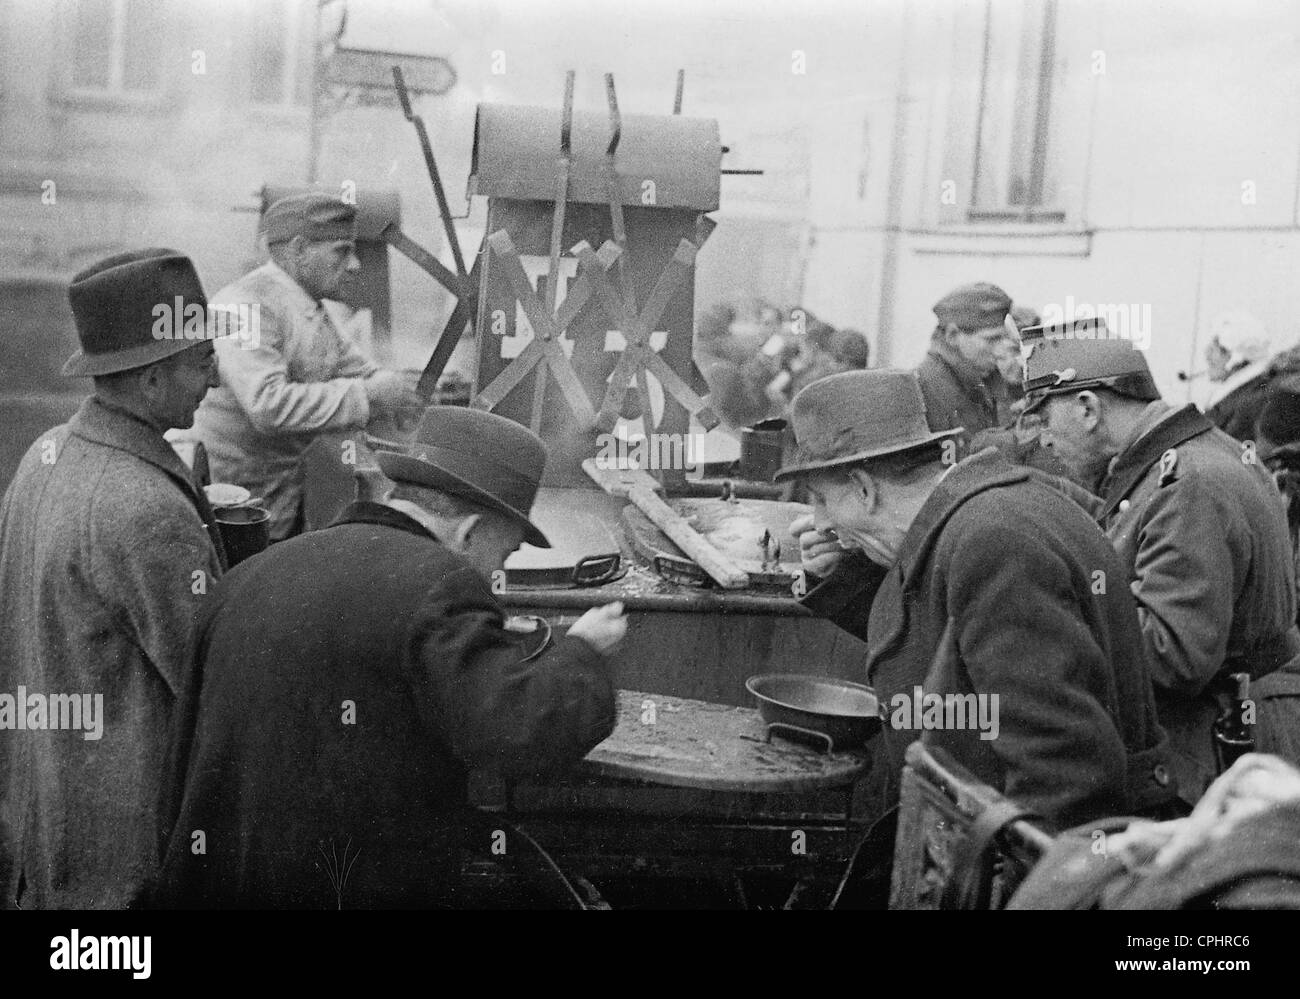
{"x": 393, "y": 392}
{"x": 601, "y": 627}
{"x": 820, "y": 552}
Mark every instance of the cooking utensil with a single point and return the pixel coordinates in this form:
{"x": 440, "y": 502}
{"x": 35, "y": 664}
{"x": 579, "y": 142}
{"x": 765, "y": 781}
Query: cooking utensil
{"x": 724, "y": 571}
{"x": 837, "y": 714}
{"x": 583, "y": 552}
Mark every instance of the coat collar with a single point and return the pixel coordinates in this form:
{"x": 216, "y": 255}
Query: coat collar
{"x": 104, "y": 423}
{"x": 1238, "y": 379}
{"x": 962, "y": 369}
{"x": 366, "y": 512}
{"x": 985, "y": 470}
{"x": 293, "y": 292}
{"x": 1159, "y": 430}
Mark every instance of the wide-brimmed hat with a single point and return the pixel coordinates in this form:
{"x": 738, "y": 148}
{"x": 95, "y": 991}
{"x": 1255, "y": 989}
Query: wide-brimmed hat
{"x": 115, "y": 303}
{"x": 480, "y": 456}
{"x": 858, "y": 415}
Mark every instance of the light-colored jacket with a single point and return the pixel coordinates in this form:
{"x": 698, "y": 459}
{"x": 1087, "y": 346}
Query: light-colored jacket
{"x": 104, "y": 558}
{"x": 293, "y": 377}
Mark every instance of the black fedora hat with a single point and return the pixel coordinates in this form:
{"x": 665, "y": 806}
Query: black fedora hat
{"x": 483, "y": 457}
{"x": 858, "y": 415}
{"x": 115, "y": 302}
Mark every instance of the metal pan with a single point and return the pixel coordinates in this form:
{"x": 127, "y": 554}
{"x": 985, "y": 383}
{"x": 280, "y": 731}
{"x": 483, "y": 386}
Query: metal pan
{"x": 820, "y": 710}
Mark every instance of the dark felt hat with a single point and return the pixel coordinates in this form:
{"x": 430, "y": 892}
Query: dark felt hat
{"x": 480, "y": 456}
{"x": 858, "y": 415}
{"x": 115, "y": 303}
{"x": 1085, "y": 357}
{"x": 312, "y": 215}
{"x": 974, "y": 306}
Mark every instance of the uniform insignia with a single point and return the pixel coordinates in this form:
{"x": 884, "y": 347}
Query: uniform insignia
{"x": 1168, "y": 466}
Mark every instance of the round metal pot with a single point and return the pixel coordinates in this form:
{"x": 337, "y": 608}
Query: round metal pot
{"x": 818, "y": 710}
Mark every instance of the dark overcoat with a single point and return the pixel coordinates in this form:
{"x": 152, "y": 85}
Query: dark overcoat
{"x": 1202, "y": 533}
{"x": 958, "y": 396}
{"x": 106, "y": 548}
{"x": 1042, "y": 618}
{"x": 347, "y": 679}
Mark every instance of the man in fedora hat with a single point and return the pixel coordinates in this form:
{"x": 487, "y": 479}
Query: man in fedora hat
{"x": 959, "y": 376}
{"x": 373, "y": 658}
{"x": 976, "y": 579}
{"x": 106, "y": 548}
{"x": 1198, "y": 524}
{"x": 295, "y": 375}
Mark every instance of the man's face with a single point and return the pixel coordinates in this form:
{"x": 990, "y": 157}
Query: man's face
{"x": 1010, "y": 365}
{"x": 982, "y": 347}
{"x": 1070, "y": 429}
{"x": 491, "y": 541}
{"x": 180, "y": 382}
{"x": 856, "y": 509}
{"x": 325, "y": 268}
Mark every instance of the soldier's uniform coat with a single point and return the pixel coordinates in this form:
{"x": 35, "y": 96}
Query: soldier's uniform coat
{"x": 1202, "y": 532}
{"x": 1015, "y": 564}
{"x": 106, "y": 548}
{"x": 372, "y": 612}
{"x": 299, "y": 377}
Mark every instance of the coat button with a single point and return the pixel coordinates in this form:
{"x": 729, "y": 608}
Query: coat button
{"x": 1161, "y": 774}
{"x": 1124, "y": 505}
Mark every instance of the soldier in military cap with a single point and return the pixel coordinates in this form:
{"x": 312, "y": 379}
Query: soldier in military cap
{"x": 959, "y": 377}
{"x": 1195, "y": 517}
{"x": 296, "y": 375}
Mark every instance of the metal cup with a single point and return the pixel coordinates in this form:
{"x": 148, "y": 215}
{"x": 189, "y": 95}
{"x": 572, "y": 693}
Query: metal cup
{"x": 762, "y": 448}
{"x": 245, "y": 531}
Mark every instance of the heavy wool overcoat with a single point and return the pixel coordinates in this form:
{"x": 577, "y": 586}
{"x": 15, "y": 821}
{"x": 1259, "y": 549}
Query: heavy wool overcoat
{"x": 1042, "y": 619}
{"x": 1202, "y": 533}
{"x": 106, "y": 548}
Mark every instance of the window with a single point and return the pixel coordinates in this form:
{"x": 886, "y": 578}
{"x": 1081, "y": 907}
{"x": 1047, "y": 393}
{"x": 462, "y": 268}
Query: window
{"x": 116, "y": 46}
{"x": 1005, "y": 113}
{"x": 281, "y": 62}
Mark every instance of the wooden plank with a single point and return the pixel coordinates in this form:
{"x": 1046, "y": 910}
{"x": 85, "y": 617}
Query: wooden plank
{"x": 619, "y": 481}
{"x": 724, "y": 571}
{"x": 695, "y": 744}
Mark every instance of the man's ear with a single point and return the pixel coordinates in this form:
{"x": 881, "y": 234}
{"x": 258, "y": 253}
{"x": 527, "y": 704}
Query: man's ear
{"x": 865, "y": 486}
{"x": 150, "y": 381}
{"x": 465, "y": 531}
{"x": 1089, "y": 409}
{"x": 950, "y": 332}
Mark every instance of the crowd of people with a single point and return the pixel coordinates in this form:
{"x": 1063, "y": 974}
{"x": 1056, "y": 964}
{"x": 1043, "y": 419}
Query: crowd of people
{"x": 1117, "y": 613}
{"x": 756, "y": 358}
{"x": 1111, "y": 571}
